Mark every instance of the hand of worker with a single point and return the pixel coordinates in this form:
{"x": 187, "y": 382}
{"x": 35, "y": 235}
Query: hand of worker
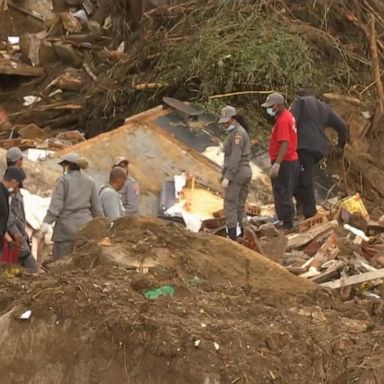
{"x": 225, "y": 183}
{"x": 275, "y": 170}
{"x": 18, "y": 239}
{"x": 12, "y": 245}
{"x": 44, "y": 228}
{"x": 336, "y": 152}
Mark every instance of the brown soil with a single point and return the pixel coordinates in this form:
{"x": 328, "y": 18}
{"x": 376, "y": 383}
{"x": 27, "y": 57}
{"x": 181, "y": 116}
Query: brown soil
{"x": 93, "y": 325}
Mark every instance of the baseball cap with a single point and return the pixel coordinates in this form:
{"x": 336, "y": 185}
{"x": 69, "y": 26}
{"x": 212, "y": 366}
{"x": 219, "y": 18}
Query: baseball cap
{"x": 15, "y": 173}
{"x": 226, "y": 113}
{"x": 70, "y": 158}
{"x": 273, "y": 99}
{"x": 120, "y": 159}
{"x": 13, "y": 154}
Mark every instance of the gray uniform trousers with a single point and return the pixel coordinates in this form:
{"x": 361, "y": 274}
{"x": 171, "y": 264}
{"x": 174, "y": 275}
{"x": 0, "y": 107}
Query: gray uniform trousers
{"x": 235, "y": 197}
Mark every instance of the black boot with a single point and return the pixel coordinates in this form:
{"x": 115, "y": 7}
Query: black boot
{"x": 232, "y": 233}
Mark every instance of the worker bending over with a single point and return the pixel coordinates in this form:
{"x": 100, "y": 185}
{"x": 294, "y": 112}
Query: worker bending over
{"x": 312, "y": 117}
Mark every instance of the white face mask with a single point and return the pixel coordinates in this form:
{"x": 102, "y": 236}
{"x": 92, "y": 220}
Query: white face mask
{"x": 231, "y": 128}
{"x": 271, "y": 112}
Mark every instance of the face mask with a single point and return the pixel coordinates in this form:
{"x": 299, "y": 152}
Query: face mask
{"x": 231, "y": 128}
{"x": 271, "y": 112}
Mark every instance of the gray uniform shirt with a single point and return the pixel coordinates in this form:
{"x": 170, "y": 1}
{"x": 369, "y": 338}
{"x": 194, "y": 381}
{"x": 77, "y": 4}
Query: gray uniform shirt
{"x": 74, "y": 203}
{"x": 237, "y": 154}
{"x": 110, "y": 202}
{"x": 130, "y": 197}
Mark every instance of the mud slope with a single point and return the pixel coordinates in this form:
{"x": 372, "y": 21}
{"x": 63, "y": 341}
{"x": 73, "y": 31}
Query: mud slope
{"x": 230, "y": 320}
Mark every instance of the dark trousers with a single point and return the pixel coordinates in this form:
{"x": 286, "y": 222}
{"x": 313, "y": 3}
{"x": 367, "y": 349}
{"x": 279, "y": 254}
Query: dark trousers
{"x": 283, "y": 188}
{"x": 305, "y": 189}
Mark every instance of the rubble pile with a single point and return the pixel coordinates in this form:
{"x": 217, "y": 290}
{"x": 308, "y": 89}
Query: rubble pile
{"x": 339, "y": 248}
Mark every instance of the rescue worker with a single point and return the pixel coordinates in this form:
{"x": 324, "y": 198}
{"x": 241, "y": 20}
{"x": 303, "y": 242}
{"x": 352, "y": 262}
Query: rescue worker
{"x": 109, "y": 193}
{"x": 284, "y": 158}
{"x": 130, "y": 193}
{"x": 17, "y": 227}
{"x": 312, "y": 117}
{"x": 13, "y": 177}
{"x": 236, "y": 173}
{"x": 14, "y": 157}
{"x": 74, "y": 204}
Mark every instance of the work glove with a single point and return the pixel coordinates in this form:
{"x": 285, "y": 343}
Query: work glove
{"x": 225, "y": 183}
{"x": 275, "y": 170}
{"x": 44, "y": 228}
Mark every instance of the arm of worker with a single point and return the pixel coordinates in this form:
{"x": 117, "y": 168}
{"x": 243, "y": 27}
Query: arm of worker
{"x": 12, "y": 227}
{"x": 283, "y": 129}
{"x": 111, "y": 204}
{"x": 339, "y": 125}
{"x": 57, "y": 203}
{"x": 280, "y": 157}
{"x": 234, "y": 161}
{"x": 282, "y": 151}
{"x": 96, "y": 208}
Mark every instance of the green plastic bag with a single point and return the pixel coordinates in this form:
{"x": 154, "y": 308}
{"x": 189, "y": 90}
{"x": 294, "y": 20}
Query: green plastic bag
{"x": 155, "y": 293}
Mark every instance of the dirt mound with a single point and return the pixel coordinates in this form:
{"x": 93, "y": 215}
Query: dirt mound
{"x": 96, "y": 326}
{"x": 169, "y": 251}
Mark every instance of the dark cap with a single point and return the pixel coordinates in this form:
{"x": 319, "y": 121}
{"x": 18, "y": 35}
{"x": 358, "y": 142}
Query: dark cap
{"x": 15, "y": 173}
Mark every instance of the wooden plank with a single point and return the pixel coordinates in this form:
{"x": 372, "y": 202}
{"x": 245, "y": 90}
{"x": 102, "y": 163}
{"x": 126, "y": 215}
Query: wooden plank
{"x": 376, "y": 62}
{"x": 13, "y": 67}
{"x": 356, "y": 279}
{"x": 347, "y": 99}
{"x": 307, "y": 224}
{"x": 301, "y": 239}
{"x": 329, "y": 274}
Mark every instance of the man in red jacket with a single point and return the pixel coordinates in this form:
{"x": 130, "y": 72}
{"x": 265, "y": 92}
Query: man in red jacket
{"x": 284, "y": 158}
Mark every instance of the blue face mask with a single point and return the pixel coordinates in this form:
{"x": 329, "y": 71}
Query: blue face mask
{"x": 271, "y": 112}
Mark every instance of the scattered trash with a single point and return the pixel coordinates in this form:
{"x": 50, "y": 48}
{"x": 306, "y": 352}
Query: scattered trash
{"x": 216, "y": 345}
{"x": 26, "y": 315}
{"x": 197, "y": 343}
{"x": 166, "y": 290}
{"x": 105, "y": 242}
{"x": 29, "y": 100}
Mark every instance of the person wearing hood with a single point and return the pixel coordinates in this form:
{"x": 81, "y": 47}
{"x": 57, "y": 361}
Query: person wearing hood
{"x": 74, "y": 203}
{"x": 236, "y": 173}
{"x": 284, "y": 158}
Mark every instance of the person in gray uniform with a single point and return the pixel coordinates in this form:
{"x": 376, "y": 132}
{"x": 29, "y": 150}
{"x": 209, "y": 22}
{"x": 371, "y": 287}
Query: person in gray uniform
{"x": 17, "y": 227}
{"x": 74, "y": 203}
{"x": 130, "y": 193}
{"x": 109, "y": 193}
{"x": 236, "y": 173}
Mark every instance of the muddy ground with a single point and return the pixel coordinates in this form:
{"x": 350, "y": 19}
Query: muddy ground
{"x": 236, "y": 317}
